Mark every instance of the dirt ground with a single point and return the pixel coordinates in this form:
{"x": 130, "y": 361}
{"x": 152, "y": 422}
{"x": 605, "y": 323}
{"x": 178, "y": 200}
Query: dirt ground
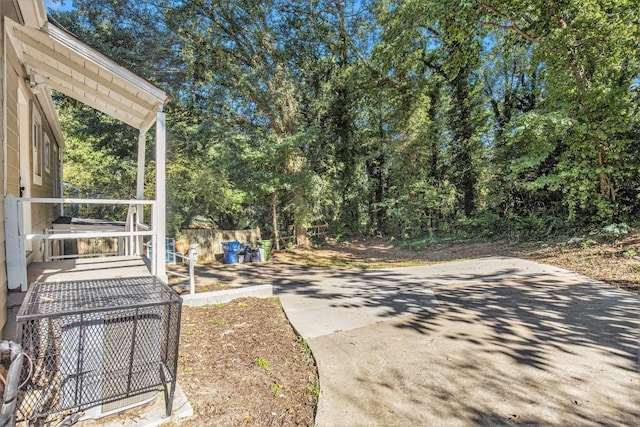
{"x": 242, "y": 364}
{"x": 616, "y": 262}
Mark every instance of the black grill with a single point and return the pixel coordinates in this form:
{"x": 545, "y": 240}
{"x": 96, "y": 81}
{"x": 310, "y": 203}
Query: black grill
{"x": 97, "y": 342}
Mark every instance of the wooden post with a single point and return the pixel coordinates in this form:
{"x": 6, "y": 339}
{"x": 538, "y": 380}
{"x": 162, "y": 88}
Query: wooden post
{"x": 46, "y": 247}
{"x": 16, "y": 256}
{"x": 134, "y": 247}
{"x": 141, "y": 161}
{"x": 192, "y": 257}
{"x": 159, "y": 223}
{"x": 139, "y": 217}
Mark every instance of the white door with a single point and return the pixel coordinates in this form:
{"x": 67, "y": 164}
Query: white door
{"x": 24, "y": 124}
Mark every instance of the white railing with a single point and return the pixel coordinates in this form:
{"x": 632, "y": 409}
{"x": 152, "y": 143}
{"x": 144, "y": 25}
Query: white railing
{"x": 16, "y": 237}
{"x": 190, "y": 259}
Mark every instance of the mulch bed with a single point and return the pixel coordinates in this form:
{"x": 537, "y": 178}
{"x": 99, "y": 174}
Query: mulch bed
{"x": 242, "y": 363}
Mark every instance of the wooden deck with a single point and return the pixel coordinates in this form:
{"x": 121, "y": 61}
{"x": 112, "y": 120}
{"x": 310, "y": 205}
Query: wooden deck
{"x": 88, "y": 269}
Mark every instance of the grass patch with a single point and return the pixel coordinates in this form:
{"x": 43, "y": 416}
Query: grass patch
{"x": 213, "y": 286}
{"x": 305, "y": 346}
{"x": 263, "y": 363}
{"x": 313, "y": 387}
{"x": 276, "y": 389}
{"x": 363, "y": 265}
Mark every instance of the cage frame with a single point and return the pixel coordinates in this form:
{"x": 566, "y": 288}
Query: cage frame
{"x": 101, "y": 304}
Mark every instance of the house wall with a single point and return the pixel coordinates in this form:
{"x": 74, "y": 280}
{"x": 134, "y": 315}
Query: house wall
{"x": 12, "y": 139}
{"x": 7, "y": 8}
{"x": 41, "y": 215}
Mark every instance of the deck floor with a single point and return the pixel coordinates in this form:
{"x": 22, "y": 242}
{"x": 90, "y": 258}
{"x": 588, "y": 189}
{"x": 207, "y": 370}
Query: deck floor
{"x": 88, "y": 269}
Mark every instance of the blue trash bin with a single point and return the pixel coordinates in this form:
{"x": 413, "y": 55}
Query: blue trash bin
{"x": 231, "y": 250}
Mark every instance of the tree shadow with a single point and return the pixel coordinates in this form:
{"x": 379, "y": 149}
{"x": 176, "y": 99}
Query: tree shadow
{"x": 533, "y": 339}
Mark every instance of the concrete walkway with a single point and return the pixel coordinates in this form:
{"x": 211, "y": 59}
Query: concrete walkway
{"x": 481, "y": 342}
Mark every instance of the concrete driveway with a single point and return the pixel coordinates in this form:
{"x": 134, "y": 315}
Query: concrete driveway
{"x": 481, "y": 342}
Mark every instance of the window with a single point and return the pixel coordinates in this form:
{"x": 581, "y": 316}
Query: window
{"x": 36, "y": 142}
{"x": 56, "y": 174}
{"x": 47, "y": 154}
{"x": 56, "y": 170}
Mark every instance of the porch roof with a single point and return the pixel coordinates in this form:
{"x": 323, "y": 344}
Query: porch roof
{"x": 55, "y": 58}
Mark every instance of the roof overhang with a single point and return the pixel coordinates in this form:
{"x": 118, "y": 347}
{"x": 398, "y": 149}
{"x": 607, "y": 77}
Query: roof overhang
{"x": 56, "y": 59}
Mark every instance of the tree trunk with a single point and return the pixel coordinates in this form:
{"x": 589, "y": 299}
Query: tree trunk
{"x": 606, "y": 187}
{"x": 274, "y": 219}
{"x": 301, "y": 236}
{"x": 295, "y": 165}
{"x": 434, "y": 134}
{"x": 465, "y": 175}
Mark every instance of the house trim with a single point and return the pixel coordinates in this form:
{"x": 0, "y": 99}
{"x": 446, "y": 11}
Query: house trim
{"x": 33, "y": 12}
{"x": 54, "y": 58}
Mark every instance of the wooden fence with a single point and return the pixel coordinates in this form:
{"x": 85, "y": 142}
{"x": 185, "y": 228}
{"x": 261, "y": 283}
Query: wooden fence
{"x": 93, "y": 246}
{"x": 210, "y": 241}
{"x": 317, "y": 230}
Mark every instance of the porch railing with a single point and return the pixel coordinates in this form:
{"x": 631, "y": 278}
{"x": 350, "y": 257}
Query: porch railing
{"x": 190, "y": 259}
{"x": 135, "y": 231}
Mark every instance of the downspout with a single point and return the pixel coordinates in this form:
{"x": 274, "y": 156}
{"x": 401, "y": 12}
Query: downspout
{"x": 8, "y": 409}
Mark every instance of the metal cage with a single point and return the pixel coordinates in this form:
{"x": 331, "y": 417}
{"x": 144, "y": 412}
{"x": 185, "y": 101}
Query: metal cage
{"x": 98, "y": 346}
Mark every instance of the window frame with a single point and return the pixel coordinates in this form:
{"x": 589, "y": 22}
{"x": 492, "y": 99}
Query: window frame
{"x": 46, "y": 153}
{"x": 36, "y": 146}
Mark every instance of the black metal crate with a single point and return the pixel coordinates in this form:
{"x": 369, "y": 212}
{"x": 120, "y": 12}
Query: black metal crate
{"x": 97, "y": 342}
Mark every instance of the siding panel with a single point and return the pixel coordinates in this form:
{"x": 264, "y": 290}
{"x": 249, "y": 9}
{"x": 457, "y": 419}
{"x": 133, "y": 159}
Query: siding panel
{"x": 3, "y": 266}
{"x": 13, "y": 142}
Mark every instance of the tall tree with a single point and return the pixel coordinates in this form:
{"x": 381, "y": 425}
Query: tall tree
{"x": 591, "y": 53}
{"x": 431, "y": 51}
{"x": 238, "y": 48}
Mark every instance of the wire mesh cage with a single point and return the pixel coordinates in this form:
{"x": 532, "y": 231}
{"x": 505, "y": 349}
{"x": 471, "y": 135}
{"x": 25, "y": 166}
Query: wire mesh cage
{"x": 98, "y": 346}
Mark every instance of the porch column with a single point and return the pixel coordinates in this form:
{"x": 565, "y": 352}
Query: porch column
{"x": 15, "y": 244}
{"x": 160, "y": 223}
{"x": 141, "y": 159}
{"x": 136, "y": 244}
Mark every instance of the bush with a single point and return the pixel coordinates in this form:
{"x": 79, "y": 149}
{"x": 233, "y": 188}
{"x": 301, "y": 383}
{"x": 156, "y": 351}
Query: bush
{"x": 615, "y": 230}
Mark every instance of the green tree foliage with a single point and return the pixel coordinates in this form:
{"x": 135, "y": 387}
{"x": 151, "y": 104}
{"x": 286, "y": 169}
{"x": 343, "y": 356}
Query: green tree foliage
{"x": 235, "y": 53}
{"x": 93, "y": 168}
{"x": 432, "y": 58}
{"x": 387, "y": 116}
{"x": 590, "y": 55}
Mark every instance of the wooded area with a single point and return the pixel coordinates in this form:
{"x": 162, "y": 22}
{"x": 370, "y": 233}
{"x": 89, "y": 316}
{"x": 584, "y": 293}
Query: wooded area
{"x": 401, "y": 118}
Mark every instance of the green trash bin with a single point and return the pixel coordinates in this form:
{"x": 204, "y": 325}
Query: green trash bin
{"x": 266, "y": 246}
